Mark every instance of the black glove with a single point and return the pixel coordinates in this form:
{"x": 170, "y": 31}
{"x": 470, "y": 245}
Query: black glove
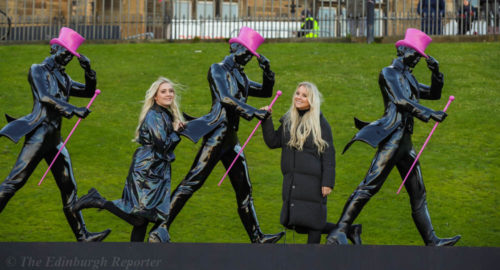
{"x": 262, "y": 114}
{"x": 81, "y": 112}
{"x": 432, "y": 64}
{"x": 264, "y": 63}
{"x": 439, "y": 116}
{"x": 84, "y": 62}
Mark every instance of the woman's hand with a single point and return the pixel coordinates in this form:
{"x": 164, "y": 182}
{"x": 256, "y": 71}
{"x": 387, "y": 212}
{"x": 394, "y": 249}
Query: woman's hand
{"x": 326, "y": 191}
{"x": 179, "y": 126}
{"x": 270, "y": 110}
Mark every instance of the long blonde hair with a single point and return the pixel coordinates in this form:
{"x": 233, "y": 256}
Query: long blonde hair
{"x": 149, "y": 100}
{"x": 301, "y": 127}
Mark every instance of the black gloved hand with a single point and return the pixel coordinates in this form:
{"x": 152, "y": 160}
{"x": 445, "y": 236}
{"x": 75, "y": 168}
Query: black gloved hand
{"x": 262, "y": 114}
{"x": 432, "y": 64}
{"x": 84, "y": 62}
{"x": 439, "y": 116}
{"x": 81, "y": 112}
{"x": 264, "y": 63}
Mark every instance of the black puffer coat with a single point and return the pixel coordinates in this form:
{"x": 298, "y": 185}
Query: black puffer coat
{"x": 304, "y": 173}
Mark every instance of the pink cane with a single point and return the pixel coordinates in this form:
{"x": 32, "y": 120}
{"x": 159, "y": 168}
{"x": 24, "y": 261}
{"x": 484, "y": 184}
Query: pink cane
{"x": 97, "y": 92}
{"x": 425, "y": 143}
{"x": 248, "y": 139}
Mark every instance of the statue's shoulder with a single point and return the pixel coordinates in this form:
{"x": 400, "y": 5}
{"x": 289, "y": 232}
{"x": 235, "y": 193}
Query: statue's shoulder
{"x": 37, "y": 71}
{"x": 217, "y": 68}
{"x": 37, "y": 67}
{"x": 390, "y": 68}
{"x": 389, "y": 71}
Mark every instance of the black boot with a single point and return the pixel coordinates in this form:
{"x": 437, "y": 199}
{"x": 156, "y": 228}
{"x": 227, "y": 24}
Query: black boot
{"x": 5, "y": 194}
{"x": 91, "y": 200}
{"x": 337, "y": 237}
{"x": 269, "y": 238}
{"x": 355, "y": 234}
{"x": 440, "y": 242}
{"x": 94, "y": 200}
{"x": 95, "y": 237}
{"x": 352, "y": 208}
{"x": 177, "y": 201}
{"x": 77, "y": 225}
{"x": 423, "y": 222}
{"x": 159, "y": 234}
{"x": 249, "y": 219}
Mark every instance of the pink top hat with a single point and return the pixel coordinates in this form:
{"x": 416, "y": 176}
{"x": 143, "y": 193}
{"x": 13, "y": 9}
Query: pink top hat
{"x": 69, "y": 39}
{"x": 416, "y": 40}
{"x": 248, "y": 38}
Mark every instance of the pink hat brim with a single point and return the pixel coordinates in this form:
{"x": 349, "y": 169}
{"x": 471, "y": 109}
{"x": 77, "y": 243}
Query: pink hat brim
{"x": 238, "y": 40}
{"x": 406, "y": 44}
{"x": 62, "y": 43}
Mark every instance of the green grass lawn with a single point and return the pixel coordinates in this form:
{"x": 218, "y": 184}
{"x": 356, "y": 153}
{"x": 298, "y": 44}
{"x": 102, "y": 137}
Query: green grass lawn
{"x": 460, "y": 164}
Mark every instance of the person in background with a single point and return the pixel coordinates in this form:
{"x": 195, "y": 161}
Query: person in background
{"x": 356, "y": 17}
{"x": 492, "y": 7}
{"x": 466, "y": 15}
{"x": 307, "y": 164}
{"x": 146, "y": 195}
{"x": 309, "y": 27}
{"x": 431, "y": 12}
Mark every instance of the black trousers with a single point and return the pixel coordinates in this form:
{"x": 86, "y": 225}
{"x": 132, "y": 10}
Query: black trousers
{"x": 397, "y": 151}
{"x": 42, "y": 143}
{"x": 314, "y": 236}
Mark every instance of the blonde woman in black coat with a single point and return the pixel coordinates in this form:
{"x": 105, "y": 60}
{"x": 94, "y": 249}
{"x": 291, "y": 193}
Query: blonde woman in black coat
{"x": 146, "y": 195}
{"x": 307, "y": 164}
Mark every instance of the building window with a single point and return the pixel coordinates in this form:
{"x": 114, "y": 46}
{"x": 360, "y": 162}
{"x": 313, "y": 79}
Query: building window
{"x": 182, "y": 10}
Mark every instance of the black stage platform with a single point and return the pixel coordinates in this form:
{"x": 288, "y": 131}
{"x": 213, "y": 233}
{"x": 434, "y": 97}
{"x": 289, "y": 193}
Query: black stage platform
{"x": 241, "y": 256}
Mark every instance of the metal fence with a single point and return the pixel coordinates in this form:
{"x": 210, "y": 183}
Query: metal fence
{"x": 216, "y": 19}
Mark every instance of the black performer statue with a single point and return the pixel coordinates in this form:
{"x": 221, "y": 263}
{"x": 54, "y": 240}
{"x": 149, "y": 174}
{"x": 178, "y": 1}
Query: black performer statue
{"x": 392, "y": 134}
{"x": 230, "y": 88}
{"x": 51, "y": 88}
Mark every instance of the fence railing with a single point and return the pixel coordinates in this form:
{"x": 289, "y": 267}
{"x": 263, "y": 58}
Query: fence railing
{"x": 188, "y": 19}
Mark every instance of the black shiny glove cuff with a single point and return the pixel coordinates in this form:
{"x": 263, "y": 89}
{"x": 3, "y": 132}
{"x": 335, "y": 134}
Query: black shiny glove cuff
{"x": 269, "y": 74}
{"x": 438, "y": 75}
{"x": 90, "y": 73}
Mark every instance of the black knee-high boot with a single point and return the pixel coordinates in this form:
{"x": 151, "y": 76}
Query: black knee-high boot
{"x": 5, "y": 195}
{"x": 75, "y": 221}
{"x": 423, "y": 222}
{"x": 94, "y": 200}
{"x": 354, "y": 233}
{"x": 159, "y": 234}
{"x": 352, "y": 208}
{"x": 177, "y": 201}
{"x": 90, "y": 200}
{"x": 249, "y": 219}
